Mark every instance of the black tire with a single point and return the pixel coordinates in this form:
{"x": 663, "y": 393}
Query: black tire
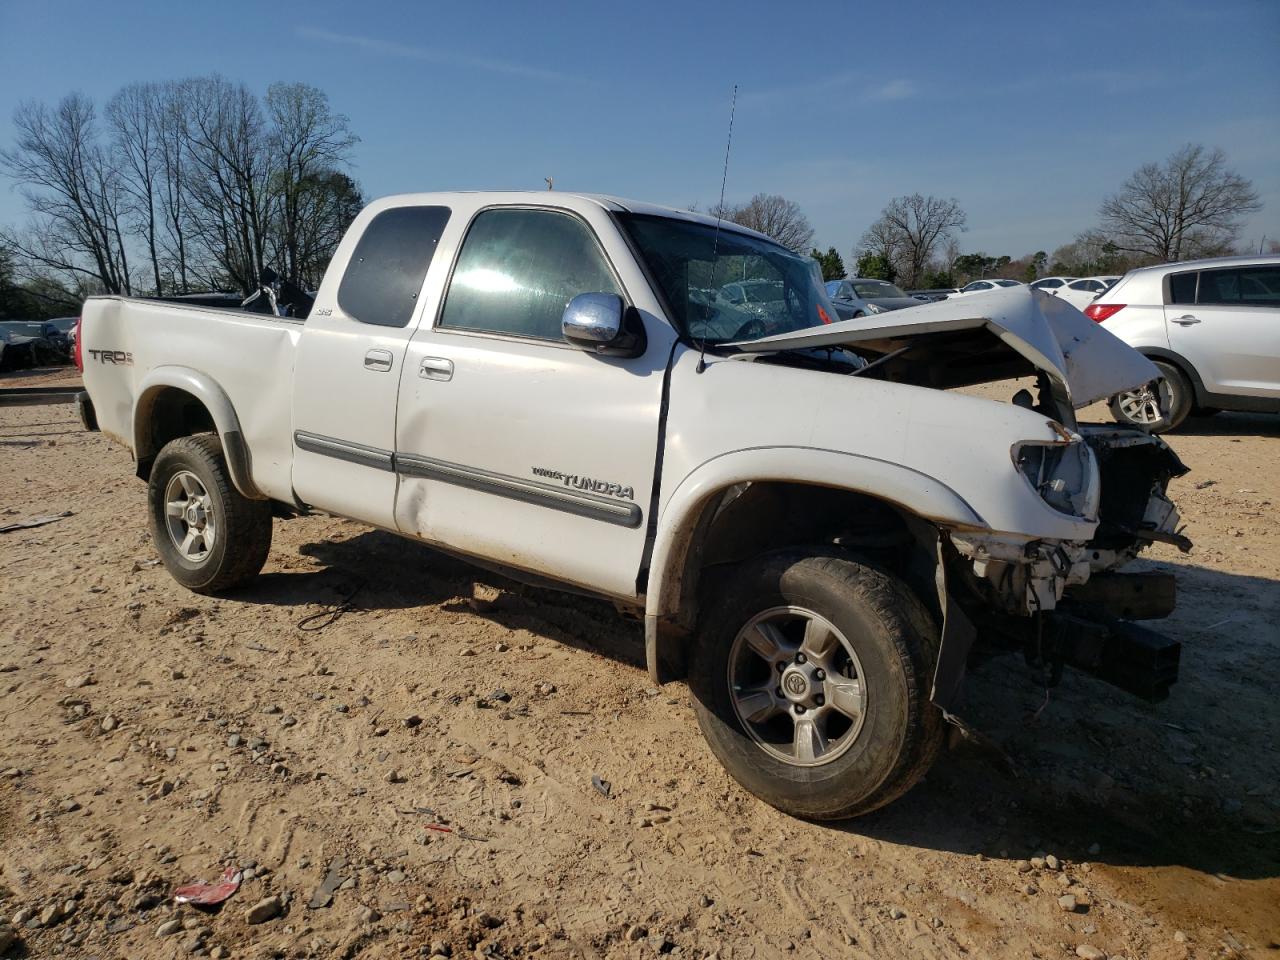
{"x": 244, "y": 526}
{"x": 1172, "y": 396}
{"x": 896, "y": 643}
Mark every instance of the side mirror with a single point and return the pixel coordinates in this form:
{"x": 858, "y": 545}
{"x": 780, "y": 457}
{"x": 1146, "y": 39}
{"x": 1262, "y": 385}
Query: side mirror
{"x": 602, "y": 323}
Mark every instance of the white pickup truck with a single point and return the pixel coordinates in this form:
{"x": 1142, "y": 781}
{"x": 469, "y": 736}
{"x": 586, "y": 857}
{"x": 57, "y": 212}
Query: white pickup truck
{"x": 815, "y": 527}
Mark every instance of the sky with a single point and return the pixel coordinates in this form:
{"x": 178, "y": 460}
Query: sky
{"x": 1027, "y": 113}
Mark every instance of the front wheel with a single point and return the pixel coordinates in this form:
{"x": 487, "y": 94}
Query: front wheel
{"x": 811, "y": 684}
{"x": 209, "y": 536}
{"x": 1158, "y": 406}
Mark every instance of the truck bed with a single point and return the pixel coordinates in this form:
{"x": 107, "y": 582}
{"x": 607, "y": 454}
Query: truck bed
{"x": 133, "y": 346}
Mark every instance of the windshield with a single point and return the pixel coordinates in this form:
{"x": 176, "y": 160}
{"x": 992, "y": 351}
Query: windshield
{"x": 876, "y": 290}
{"x": 749, "y": 288}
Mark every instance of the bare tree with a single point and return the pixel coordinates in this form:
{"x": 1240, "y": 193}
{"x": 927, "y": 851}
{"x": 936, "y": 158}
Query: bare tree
{"x": 193, "y": 175}
{"x": 326, "y": 203}
{"x": 308, "y": 142}
{"x": 879, "y": 251}
{"x": 1191, "y": 206}
{"x": 73, "y": 191}
{"x": 229, "y": 173}
{"x": 910, "y": 229}
{"x": 774, "y": 216}
{"x": 134, "y": 114}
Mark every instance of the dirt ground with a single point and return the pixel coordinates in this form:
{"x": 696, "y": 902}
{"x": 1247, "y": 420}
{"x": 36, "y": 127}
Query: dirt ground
{"x": 430, "y": 733}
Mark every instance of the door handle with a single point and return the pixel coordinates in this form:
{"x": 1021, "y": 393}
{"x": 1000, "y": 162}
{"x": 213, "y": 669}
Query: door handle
{"x": 378, "y": 360}
{"x": 1186, "y": 320}
{"x": 435, "y": 368}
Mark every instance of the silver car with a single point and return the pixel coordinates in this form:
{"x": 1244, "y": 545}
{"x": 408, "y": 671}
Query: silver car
{"x": 860, "y": 298}
{"x": 1212, "y": 327}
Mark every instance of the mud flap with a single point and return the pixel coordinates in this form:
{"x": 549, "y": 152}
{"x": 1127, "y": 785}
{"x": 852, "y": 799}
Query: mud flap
{"x": 958, "y": 635}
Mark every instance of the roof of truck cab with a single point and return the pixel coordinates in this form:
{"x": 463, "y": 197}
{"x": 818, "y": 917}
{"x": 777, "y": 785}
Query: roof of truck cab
{"x": 562, "y": 198}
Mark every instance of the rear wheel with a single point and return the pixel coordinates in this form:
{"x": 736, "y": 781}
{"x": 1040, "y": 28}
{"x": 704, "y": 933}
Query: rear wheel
{"x": 1158, "y": 406}
{"x": 811, "y": 684}
{"x": 209, "y": 536}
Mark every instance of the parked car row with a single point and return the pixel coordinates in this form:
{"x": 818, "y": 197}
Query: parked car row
{"x": 35, "y": 343}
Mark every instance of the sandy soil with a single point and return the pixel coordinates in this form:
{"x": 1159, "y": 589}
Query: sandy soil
{"x": 366, "y": 690}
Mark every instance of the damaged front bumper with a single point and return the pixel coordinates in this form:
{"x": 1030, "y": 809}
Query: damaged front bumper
{"x": 1066, "y": 602}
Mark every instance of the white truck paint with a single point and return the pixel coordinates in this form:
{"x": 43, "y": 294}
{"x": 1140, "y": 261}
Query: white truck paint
{"x": 607, "y": 470}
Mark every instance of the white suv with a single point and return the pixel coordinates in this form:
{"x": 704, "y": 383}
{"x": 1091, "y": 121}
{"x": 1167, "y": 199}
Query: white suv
{"x": 1213, "y": 329}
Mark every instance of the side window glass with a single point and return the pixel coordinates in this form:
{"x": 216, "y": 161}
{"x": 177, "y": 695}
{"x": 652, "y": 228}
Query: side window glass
{"x": 390, "y": 261}
{"x": 1182, "y": 288}
{"x": 1219, "y": 286}
{"x": 1260, "y": 286}
{"x": 518, "y": 270}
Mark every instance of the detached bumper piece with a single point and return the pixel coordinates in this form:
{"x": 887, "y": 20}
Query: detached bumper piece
{"x": 1126, "y": 655}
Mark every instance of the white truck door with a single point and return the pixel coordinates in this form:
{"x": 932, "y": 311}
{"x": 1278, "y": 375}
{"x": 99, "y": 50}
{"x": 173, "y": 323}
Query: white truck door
{"x": 350, "y": 358}
{"x": 513, "y": 445}
{"x": 1231, "y": 334}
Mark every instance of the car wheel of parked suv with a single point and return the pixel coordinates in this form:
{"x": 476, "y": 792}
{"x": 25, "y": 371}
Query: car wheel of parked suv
{"x": 1158, "y": 406}
{"x": 210, "y": 537}
{"x": 811, "y": 683}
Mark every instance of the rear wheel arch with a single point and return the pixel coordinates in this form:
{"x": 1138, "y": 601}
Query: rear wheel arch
{"x": 1185, "y": 367}
{"x": 176, "y": 402}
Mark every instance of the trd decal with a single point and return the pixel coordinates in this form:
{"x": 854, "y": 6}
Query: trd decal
{"x": 588, "y": 484}
{"x": 118, "y": 357}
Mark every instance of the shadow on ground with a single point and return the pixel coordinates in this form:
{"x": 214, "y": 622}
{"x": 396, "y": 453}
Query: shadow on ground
{"x": 1096, "y": 767}
{"x": 379, "y": 570}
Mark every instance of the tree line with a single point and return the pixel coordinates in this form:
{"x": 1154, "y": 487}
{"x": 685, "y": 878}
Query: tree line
{"x": 171, "y": 188}
{"x": 1188, "y": 207}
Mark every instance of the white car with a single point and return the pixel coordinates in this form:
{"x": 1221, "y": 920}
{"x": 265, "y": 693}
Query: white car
{"x": 1081, "y": 293}
{"x": 812, "y": 527}
{"x": 1212, "y": 327}
{"x": 1051, "y": 284}
{"x": 984, "y": 286}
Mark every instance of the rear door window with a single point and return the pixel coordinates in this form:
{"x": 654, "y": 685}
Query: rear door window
{"x": 389, "y": 264}
{"x": 1240, "y": 286}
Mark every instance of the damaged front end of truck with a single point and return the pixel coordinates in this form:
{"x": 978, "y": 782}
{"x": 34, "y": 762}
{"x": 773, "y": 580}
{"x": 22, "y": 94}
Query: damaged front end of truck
{"x": 1070, "y": 603}
{"x": 1059, "y": 601}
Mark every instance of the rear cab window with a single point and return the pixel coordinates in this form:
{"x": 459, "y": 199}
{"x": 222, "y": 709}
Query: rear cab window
{"x": 389, "y": 264}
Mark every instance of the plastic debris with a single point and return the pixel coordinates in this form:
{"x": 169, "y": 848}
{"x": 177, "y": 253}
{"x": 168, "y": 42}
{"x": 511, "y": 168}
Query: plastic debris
{"x": 603, "y": 787}
{"x": 208, "y": 894}
{"x": 35, "y": 521}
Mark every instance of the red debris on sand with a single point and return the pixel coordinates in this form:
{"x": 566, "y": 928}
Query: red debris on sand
{"x": 207, "y": 894}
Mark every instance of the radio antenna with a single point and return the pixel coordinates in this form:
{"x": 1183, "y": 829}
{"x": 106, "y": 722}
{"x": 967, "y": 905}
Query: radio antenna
{"x": 715, "y": 243}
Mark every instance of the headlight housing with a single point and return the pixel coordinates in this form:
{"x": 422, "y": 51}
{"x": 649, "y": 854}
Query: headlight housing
{"x": 1063, "y": 474}
{"x": 875, "y": 308}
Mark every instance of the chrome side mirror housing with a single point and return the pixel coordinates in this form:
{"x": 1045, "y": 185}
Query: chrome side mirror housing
{"x": 602, "y": 323}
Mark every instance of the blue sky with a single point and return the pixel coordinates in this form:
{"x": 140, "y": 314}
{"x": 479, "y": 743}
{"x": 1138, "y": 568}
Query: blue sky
{"x": 1027, "y": 113}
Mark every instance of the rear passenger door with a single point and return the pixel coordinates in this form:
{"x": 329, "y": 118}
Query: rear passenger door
{"x": 512, "y": 444}
{"x": 1230, "y": 330}
{"x": 350, "y": 358}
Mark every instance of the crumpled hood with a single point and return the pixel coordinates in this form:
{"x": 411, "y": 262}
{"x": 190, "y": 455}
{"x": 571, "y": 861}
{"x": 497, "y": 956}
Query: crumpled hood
{"x": 1009, "y": 332}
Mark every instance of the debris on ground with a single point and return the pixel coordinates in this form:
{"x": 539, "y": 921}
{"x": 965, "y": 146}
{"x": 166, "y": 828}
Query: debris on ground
{"x": 208, "y": 894}
{"x": 35, "y": 521}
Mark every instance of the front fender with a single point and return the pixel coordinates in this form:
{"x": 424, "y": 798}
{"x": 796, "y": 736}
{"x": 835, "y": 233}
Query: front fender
{"x": 205, "y": 389}
{"x": 914, "y": 492}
